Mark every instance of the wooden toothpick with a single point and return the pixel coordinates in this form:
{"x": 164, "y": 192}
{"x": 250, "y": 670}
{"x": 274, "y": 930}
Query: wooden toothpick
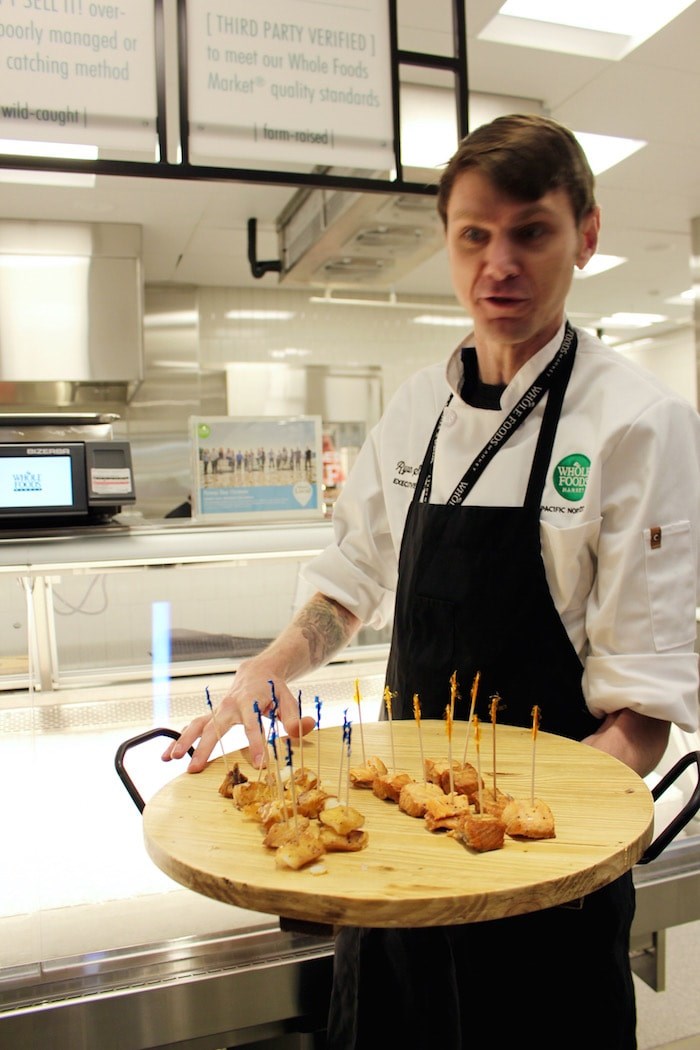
{"x": 448, "y": 723}
{"x": 229, "y": 768}
{"x": 475, "y": 688}
{"x": 416, "y": 715}
{"x": 495, "y": 701}
{"x": 477, "y": 744}
{"x": 388, "y": 697}
{"x": 358, "y": 701}
{"x": 535, "y": 727}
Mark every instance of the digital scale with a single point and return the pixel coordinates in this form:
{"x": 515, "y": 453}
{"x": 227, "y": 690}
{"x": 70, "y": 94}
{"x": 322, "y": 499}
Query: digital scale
{"x": 62, "y": 469}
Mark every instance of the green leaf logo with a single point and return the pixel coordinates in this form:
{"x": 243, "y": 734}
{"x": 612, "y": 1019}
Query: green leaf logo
{"x": 203, "y": 430}
{"x": 571, "y": 475}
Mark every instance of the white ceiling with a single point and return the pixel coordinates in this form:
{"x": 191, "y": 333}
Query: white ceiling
{"x": 195, "y": 232}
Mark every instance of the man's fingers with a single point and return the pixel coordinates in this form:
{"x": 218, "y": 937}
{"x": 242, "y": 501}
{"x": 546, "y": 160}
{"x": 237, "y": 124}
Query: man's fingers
{"x": 232, "y": 711}
{"x": 256, "y": 736}
{"x": 186, "y": 739}
{"x": 294, "y": 725}
{"x": 207, "y": 740}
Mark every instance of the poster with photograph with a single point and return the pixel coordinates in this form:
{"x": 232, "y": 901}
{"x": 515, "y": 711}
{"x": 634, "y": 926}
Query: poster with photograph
{"x": 256, "y": 469}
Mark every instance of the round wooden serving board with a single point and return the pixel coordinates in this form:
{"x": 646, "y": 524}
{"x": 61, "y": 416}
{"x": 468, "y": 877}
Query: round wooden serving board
{"x": 407, "y": 875}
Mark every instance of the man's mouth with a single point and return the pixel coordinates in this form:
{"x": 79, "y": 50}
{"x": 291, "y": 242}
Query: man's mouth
{"x": 503, "y": 300}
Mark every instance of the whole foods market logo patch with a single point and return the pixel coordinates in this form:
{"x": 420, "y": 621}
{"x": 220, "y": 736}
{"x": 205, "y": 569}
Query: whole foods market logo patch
{"x": 571, "y": 475}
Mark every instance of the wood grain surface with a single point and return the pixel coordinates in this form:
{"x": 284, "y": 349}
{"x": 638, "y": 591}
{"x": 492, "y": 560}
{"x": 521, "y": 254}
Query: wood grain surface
{"x": 408, "y": 876}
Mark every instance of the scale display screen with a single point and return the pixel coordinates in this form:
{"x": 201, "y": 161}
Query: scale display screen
{"x": 42, "y": 479}
{"x": 44, "y": 482}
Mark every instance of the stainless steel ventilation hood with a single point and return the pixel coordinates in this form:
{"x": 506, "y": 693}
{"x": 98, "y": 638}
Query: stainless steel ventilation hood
{"x": 71, "y": 310}
{"x": 340, "y": 239}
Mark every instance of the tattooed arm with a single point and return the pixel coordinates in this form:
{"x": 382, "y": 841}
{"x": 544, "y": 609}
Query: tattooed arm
{"x": 318, "y": 631}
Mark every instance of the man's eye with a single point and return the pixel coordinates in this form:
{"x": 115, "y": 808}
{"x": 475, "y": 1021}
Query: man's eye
{"x": 474, "y": 235}
{"x": 532, "y": 232}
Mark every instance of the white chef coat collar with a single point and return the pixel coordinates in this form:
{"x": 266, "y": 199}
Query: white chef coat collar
{"x": 520, "y": 382}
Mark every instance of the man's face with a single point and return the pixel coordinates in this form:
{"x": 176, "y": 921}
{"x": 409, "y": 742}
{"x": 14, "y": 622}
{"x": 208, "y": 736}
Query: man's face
{"x": 512, "y": 261}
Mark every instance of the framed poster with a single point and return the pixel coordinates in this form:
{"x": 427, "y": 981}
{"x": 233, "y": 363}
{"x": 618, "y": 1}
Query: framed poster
{"x": 262, "y": 468}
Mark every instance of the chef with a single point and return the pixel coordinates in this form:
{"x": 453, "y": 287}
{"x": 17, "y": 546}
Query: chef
{"x": 530, "y": 512}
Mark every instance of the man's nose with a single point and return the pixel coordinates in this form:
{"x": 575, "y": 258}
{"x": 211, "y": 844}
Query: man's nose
{"x": 501, "y": 258}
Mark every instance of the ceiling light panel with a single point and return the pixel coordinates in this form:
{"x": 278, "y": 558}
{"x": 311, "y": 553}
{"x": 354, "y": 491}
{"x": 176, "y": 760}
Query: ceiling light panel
{"x": 440, "y": 321}
{"x": 605, "y": 151}
{"x": 631, "y": 320}
{"x": 60, "y": 150}
{"x": 599, "y": 263}
{"x": 608, "y": 29}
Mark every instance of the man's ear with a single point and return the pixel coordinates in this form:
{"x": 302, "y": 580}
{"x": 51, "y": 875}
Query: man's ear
{"x": 589, "y": 231}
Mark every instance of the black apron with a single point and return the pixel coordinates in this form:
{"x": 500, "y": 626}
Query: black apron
{"x": 473, "y": 596}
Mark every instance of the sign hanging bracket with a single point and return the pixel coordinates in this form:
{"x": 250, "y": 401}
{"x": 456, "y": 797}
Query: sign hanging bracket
{"x": 259, "y": 268}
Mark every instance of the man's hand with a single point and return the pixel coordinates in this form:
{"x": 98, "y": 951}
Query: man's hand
{"x": 637, "y": 740}
{"x": 319, "y": 630}
{"x": 251, "y": 683}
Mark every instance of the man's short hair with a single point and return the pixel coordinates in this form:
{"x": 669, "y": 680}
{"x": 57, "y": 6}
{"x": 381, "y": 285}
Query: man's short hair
{"x": 525, "y": 156}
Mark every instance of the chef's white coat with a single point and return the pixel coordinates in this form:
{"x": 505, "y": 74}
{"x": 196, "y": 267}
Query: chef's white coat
{"x": 620, "y": 549}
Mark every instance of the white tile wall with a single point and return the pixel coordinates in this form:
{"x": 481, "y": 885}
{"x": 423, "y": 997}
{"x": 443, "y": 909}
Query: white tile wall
{"x": 340, "y": 335}
{"x": 362, "y": 335}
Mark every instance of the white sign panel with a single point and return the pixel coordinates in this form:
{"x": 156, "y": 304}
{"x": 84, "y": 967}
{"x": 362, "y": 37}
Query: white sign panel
{"x": 298, "y": 82}
{"x": 78, "y": 71}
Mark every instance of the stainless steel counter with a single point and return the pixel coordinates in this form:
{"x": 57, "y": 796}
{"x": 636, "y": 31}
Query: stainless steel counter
{"x": 230, "y": 990}
{"x": 122, "y": 546}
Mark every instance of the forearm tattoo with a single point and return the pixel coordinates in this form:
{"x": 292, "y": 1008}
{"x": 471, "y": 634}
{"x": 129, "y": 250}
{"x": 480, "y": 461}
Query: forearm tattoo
{"x": 326, "y": 626}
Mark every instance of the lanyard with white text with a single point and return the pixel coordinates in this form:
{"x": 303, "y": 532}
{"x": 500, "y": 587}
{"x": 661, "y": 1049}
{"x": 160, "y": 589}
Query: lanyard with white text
{"x": 506, "y": 429}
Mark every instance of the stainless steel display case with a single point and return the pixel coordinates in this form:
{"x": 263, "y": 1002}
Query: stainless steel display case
{"x": 97, "y": 946}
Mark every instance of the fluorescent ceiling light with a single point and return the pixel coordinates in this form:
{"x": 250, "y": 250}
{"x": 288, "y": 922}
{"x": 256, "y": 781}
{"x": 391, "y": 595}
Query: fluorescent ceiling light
{"x": 391, "y": 302}
{"x": 684, "y": 299}
{"x": 289, "y": 351}
{"x": 171, "y": 319}
{"x": 629, "y": 320}
{"x": 599, "y": 264}
{"x": 438, "y": 320}
{"x": 174, "y": 366}
{"x": 20, "y": 176}
{"x": 59, "y": 150}
{"x": 429, "y": 134}
{"x": 259, "y": 315}
{"x": 605, "y": 151}
{"x": 40, "y": 262}
{"x": 634, "y": 344}
{"x": 598, "y": 28}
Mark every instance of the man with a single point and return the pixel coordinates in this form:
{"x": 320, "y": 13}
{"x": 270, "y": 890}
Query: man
{"x": 550, "y": 543}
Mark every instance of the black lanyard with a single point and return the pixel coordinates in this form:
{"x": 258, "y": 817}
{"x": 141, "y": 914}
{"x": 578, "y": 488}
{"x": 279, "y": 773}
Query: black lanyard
{"x": 506, "y": 429}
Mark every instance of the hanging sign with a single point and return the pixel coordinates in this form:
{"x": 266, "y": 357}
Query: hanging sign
{"x": 80, "y": 72}
{"x": 301, "y": 82}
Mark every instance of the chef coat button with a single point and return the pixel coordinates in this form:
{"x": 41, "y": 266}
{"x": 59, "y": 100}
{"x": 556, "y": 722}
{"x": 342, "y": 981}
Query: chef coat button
{"x": 448, "y": 417}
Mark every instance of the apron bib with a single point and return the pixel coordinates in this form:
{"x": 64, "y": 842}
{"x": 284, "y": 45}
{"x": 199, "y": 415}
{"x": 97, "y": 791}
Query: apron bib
{"x": 473, "y": 596}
